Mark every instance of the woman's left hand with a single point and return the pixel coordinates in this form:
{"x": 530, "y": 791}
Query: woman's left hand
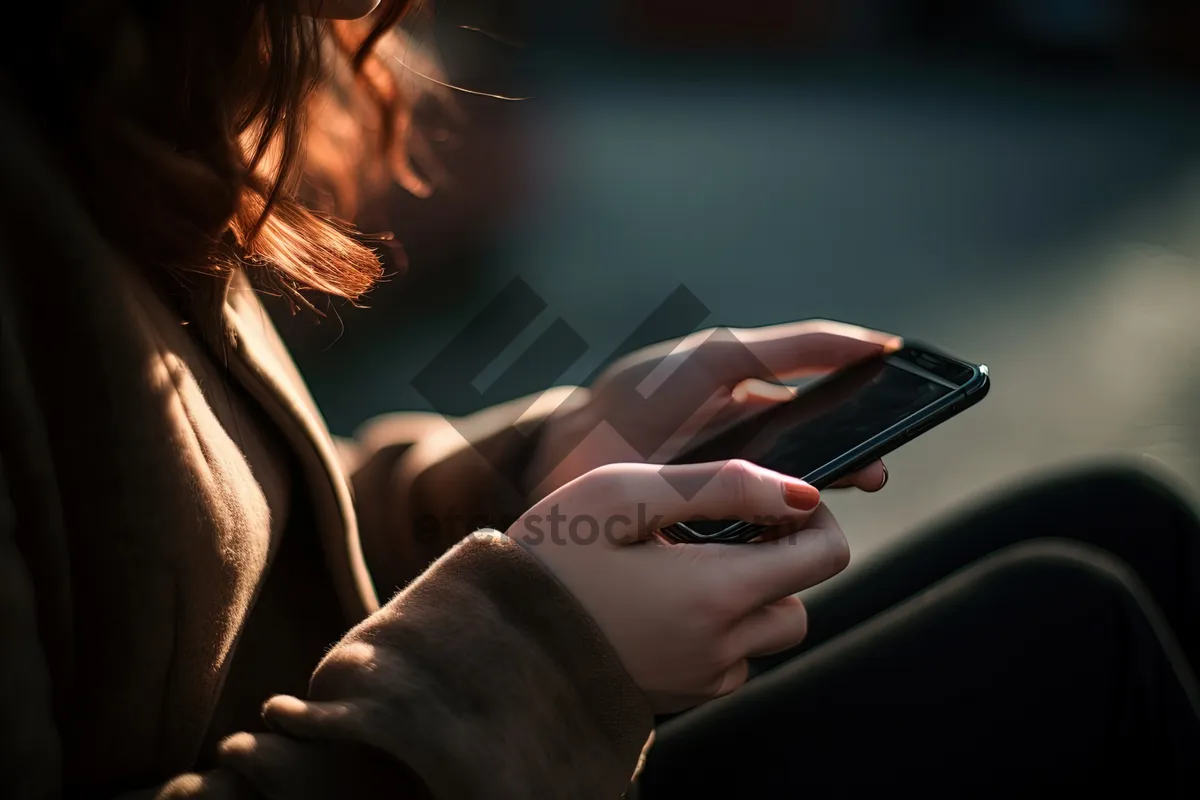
{"x": 650, "y": 405}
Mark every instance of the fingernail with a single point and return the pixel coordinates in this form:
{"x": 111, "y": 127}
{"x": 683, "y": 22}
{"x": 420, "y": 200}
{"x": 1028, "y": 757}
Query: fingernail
{"x": 801, "y": 496}
{"x": 883, "y": 483}
{"x": 893, "y": 344}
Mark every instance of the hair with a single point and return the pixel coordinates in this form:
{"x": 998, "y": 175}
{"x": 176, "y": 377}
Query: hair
{"x": 185, "y": 126}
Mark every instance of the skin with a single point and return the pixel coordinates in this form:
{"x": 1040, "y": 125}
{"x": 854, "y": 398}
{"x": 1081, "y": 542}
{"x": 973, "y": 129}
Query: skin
{"x": 629, "y": 417}
{"x": 685, "y": 618}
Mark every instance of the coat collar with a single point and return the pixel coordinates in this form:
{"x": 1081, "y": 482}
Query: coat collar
{"x": 258, "y": 359}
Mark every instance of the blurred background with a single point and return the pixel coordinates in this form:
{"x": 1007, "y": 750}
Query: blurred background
{"x": 1016, "y": 181}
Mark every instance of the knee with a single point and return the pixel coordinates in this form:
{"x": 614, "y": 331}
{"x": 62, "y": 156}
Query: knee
{"x": 1127, "y": 506}
{"x": 1133, "y": 484}
{"x": 1043, "y": 568}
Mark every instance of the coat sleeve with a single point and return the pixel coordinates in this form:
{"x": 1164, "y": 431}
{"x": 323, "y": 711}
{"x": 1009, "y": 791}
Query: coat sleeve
{"x": 482, "y": 678}
{"x": 422, "y": 481}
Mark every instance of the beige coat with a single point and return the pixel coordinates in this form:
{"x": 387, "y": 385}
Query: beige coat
{"x": 180, "y": 541}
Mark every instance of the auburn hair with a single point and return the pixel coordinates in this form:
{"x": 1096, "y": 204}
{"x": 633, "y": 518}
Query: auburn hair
{"x": 188, "y": 128}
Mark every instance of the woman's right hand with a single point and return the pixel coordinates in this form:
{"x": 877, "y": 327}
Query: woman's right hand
{"x": 684, "y": 618}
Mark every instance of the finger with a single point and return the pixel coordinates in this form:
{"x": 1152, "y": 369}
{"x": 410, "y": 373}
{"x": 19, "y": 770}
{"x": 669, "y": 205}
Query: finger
{"x": 662, "y": 495}
{"x": 754, "y": 392}
{"x": 871, "y": 478}
{"x": 813, "y": 346}
{"x": 734, "y": 678}
{"x": 773, "y": 569}
{"x": 725, "y": 356}
{"x": 772, "y": 629}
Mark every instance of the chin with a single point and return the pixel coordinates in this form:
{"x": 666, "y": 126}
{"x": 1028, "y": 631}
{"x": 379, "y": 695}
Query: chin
{"x": 341, "y": 9}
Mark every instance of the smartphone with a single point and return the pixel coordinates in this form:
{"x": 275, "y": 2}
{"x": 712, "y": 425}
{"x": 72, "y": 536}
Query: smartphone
{"x": 839, "y": 425}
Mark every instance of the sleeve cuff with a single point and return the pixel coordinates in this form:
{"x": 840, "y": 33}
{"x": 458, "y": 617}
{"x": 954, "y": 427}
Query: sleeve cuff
{"x": 424, "y": 482}
{"x": 487, "y": 678}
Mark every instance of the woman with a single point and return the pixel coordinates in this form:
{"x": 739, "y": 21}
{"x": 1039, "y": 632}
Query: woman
{"x": 196, "y": 578}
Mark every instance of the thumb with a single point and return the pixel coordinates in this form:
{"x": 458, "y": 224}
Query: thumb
{"x": 754, "y": 392}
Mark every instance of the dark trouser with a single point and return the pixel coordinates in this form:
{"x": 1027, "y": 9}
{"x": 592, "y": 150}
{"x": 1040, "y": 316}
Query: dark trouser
{"x": 1043, "y": 644}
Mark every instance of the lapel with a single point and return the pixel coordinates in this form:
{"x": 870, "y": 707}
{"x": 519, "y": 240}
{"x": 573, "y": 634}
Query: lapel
{"x": 259, "y": 360}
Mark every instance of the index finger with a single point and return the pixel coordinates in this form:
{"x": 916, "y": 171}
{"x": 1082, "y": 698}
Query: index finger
{"x": 664, "y": 495}
{"x": 797, "y": 349}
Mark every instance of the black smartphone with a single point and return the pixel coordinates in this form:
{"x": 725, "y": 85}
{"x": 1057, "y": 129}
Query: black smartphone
{"x": 839, "y": 425}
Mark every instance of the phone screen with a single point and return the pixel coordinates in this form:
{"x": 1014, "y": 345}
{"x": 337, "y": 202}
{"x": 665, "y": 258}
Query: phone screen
{"x": 827, "y": 421}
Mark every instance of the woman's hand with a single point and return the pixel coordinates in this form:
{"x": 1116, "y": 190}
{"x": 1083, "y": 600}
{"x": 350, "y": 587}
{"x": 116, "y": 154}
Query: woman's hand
{"x": 685, "y": 618}
{"x": 652, "y": 404}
